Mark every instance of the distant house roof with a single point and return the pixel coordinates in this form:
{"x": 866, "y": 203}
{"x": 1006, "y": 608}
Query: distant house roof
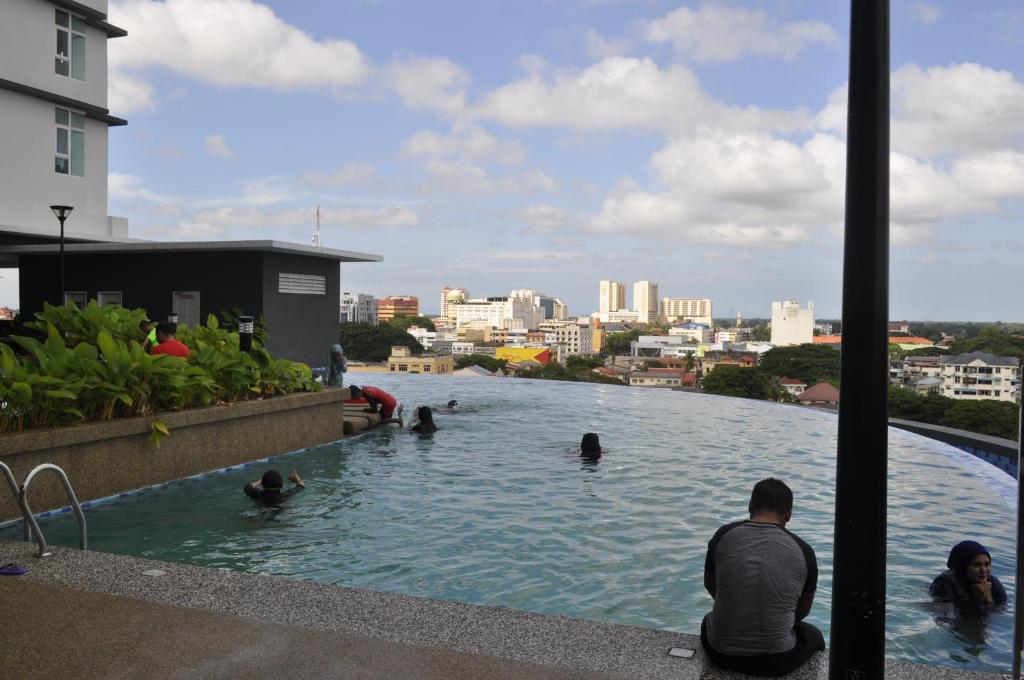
{"x": 909, "y": 340}
{"x": 822, "y": 393}
{"x": 791, "y": 381}
{"x": 478, "y": 371}
{"x": 692, "y": 326}
{"x": 984, "y": 357}
{"x": 828, "y": 339}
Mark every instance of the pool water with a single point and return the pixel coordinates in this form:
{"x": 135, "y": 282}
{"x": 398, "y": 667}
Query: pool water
{"x": 495, "y": 509}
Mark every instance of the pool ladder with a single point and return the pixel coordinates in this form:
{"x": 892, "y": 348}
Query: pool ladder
{"x": 21, "y": 495}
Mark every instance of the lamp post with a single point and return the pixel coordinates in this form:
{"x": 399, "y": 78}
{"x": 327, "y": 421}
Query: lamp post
{"x": 61, "y": 212}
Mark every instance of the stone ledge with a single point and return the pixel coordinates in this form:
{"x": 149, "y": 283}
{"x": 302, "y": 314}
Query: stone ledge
{"x": 555, "y": 641}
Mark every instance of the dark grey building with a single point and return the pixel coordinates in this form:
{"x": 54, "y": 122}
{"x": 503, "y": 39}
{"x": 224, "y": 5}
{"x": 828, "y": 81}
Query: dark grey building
{"x": 295, "y": 287}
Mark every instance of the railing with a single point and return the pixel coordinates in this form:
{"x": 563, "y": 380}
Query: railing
{"x": 31, "y": 526}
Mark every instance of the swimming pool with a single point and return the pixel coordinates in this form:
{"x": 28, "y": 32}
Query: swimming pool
{"x": 494, "y": 509}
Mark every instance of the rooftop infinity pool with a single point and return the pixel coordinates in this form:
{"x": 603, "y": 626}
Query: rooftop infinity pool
{"x": 496, "y": 509}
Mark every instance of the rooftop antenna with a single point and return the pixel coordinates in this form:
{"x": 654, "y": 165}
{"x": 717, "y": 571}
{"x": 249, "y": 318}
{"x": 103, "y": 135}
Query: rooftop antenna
{"x": 316, "y": 234}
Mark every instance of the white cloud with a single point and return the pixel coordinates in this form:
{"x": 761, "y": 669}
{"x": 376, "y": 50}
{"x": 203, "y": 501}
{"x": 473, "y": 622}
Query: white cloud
{"x": 351, "y": 173}
{"x": 925, "y": 13}
{"x": 217, "y": 145}
{"x": 435, "y": 84}
{"x": 467, "y": 142}
{"x": 624, "y": 93}
{"x": 228, "y": 42}
{"x": 464, "y": 177}
{"x": 544, "y": 218}
{"x": 124, "y": 186}
{"x": 957, "y": 109}
{"x": 716, "y": 33}
{"x": 599, "y": 47}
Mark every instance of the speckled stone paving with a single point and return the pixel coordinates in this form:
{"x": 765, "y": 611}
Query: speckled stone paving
{"x": 443, "y": 635}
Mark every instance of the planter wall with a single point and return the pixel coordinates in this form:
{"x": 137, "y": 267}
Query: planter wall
{"x": 106, "y": 458}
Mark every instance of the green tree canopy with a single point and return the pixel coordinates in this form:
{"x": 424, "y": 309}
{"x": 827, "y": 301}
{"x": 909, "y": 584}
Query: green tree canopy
{"x": 761, "y": 334}
{"x": 810, "y": 363}
{"x": 736, "y": 381}
{"x": 991, "y": 339}
{"x": 618, "y": 343}
{"x": 482, "y": 360}
{"x": 405, "y": 322}
{"x": 365, "y": 342}
{"x": 984, "y": 416}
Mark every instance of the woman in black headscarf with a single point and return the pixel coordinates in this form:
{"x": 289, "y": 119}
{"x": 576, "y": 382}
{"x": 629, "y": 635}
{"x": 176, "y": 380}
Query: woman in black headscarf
{"x": 426, "y": 421}
{"x": 969, "y": 579}
{"x": 590, "y": 447}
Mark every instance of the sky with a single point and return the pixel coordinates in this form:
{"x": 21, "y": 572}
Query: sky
{"x": 550, "y": 144}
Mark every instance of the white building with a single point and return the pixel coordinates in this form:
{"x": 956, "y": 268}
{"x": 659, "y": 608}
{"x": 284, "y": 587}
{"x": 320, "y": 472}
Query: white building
{"x": 462, "y": 348}
{"x": 498, "y": 312}
{"x": 980, "y": 375}
{"x": 791, "y": 324}
{"x": 654, "y": 345}
{"x": 359, "y": 309}
{"x": 54, "y": 120}
{"x": 696, "y": 332}
{"x": 620, "y": 316}
{"x": 449, "y": 298}
{"x": 612, "y": 297}
{"x": 698, "y": 310}
{"x": 645, "y": 301}
{"x": 573, "y": 338}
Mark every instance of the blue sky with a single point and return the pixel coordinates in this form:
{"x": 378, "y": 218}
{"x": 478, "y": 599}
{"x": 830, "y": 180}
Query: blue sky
{"x": 551, "y": 144}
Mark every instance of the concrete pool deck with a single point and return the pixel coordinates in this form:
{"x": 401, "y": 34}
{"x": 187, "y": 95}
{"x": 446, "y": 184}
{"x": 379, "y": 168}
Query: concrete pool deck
{"x": 96, "y": 615}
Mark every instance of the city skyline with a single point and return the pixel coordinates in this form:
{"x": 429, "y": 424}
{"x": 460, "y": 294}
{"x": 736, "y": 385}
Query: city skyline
{"x": 698, "y": 145}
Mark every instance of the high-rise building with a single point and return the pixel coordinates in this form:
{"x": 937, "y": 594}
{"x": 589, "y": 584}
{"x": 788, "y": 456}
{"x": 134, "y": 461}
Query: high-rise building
{"x": 792, "y": 325}
{"x": 612, "y": 297}
{"x": 697, "y": 310}
{"x": 645, "y": 301}
{"x": 499, "y": 312}
{"x": 359, "y": 309}
{"x": 397, "y": 305}
{"x": 449, "y": 298}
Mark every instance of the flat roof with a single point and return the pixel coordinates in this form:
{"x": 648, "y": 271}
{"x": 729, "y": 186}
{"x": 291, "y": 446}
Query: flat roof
{"x": 198, "y": 247}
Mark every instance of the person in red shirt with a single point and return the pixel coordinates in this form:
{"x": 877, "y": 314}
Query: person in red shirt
{"x": 379, "y": 400}
{"x": 166, "y": 344}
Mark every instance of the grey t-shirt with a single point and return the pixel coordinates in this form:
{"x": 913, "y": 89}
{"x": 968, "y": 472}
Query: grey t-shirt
{"x": 759, "y": 570}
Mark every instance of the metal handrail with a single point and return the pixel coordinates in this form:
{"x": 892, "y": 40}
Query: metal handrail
{"x": 11, "y": 482}
{"x": 30, "y": 520}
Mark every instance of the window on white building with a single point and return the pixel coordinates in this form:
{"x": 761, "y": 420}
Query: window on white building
{"x": 70, "y": 153}
{"x": 70, "y": 58}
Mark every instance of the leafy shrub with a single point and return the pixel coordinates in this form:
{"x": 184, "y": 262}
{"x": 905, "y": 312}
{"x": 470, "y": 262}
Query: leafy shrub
{"x": 91, "y": 366}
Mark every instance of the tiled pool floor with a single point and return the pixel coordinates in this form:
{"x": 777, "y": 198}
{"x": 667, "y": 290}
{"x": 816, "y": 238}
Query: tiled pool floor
{"x": 93, "y": 615}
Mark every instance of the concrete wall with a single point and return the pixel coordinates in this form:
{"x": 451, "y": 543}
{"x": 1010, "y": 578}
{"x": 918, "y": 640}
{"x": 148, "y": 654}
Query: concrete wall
{"x": 102, "y": 459}
{"x": 302, "y": 327}
{"x": 28, "y": 142}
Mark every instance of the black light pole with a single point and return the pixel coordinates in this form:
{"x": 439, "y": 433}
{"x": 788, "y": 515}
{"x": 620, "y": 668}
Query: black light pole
{"x": 857, "y": 645}
{"x": 61, "y": 212}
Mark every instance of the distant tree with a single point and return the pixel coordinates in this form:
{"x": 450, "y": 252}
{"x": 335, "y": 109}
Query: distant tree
{"x": 406, "y": 322}
{"x": 365, "y": 342}
{"x": 761, "y": 334}
{"x": 736, "y": 381}
{"x": 618, "y": 343}
{"x": 927, "y": 352}
{"x": 578, "y": 364}
{"x": 985, "y": 416}
{"x": 991, "y": 339}
{"x": 483, "y": 360}
{"x": 810, "y": 363}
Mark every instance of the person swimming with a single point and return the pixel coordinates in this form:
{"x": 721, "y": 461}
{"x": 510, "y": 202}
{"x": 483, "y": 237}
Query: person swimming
{"x": 969, "y": 579}
{"x": 590, "y": 447}
{"x": 453, "y": 404}
{"x": 426, "y": 421}
{"x": 268, "y": 489}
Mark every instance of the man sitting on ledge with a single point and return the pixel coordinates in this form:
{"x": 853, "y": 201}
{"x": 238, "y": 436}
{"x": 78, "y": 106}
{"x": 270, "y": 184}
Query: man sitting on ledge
{"x": 762, "y": 578}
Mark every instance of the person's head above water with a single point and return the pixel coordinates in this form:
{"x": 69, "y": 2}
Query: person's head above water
{"x": 590, "y": 446}
{"x": 964, "y": 563}
{"x": 771, "y": 497}
{"x": 453, "y": 403}
{"x": 425, "y": 415}
{"x": 271, "y": 480}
